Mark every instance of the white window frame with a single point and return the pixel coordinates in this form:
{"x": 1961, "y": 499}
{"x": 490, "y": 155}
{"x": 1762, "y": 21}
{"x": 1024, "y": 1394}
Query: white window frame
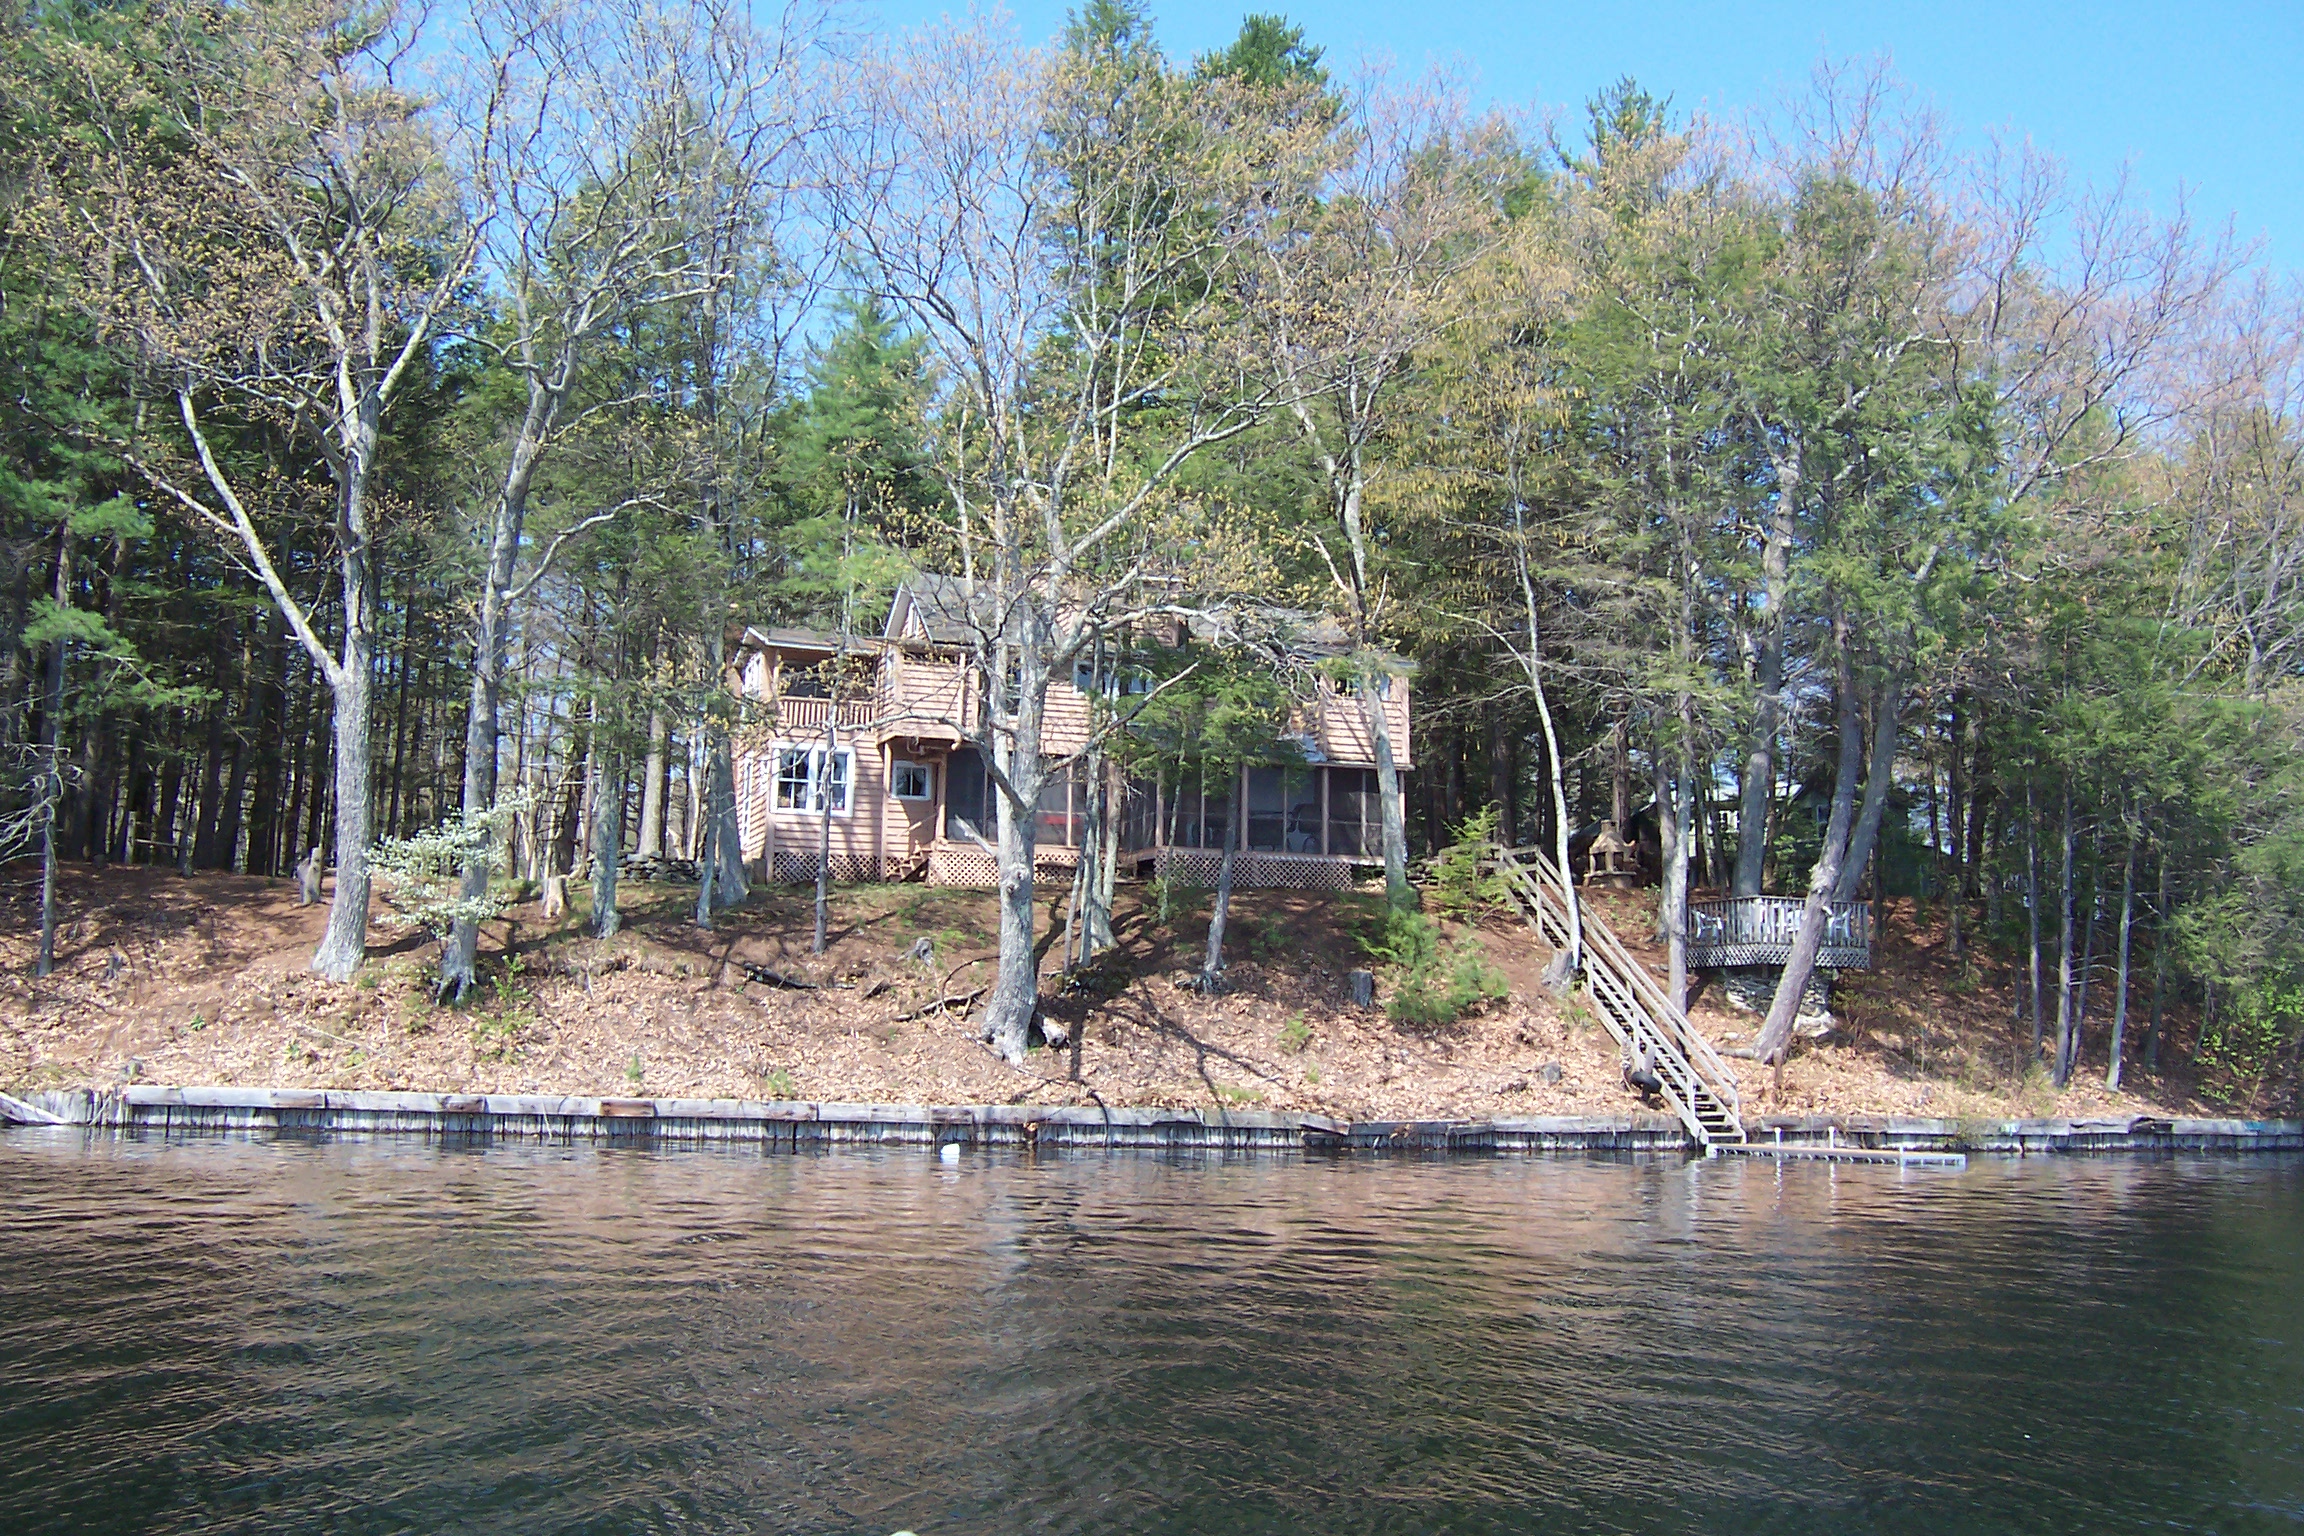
{"x": 843, "y": 780}
{"x": 1118, "y": 679}
{"x": 927, "y": 771}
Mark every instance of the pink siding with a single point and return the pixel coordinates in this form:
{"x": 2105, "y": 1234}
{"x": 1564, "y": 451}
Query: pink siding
{"x": 1341, "y": 726}
{"x": 922, "y": 707}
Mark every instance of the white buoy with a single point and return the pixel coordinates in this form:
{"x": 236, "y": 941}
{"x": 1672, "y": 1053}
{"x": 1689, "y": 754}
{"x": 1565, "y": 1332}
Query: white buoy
{"x": 950, "y": 1152}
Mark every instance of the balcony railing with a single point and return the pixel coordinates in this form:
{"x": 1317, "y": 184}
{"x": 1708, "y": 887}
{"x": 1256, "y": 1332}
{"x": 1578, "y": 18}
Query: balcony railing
{"x": 1760, "y": 930}
{"x": 806, "y": 717}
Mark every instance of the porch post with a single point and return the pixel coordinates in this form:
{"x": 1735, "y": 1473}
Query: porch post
{"x": 1323, "y": 813}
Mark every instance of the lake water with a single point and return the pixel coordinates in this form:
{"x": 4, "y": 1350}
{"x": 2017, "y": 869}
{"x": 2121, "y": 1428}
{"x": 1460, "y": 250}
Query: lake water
{"x": 390, "y": 1336}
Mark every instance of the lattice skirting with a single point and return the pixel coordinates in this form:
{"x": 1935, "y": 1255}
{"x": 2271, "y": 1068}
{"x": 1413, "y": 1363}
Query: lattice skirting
{"x": 1264, "y": 870}
{"x": 973, "y": 867}
{"x": 1708, "y": 956}
{"x": 797, "y": 866}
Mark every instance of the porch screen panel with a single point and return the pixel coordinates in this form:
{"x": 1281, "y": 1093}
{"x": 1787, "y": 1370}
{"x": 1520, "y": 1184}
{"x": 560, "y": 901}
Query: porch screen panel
{"x": 1141, "y": 828}
{"x": 1283, "y": 810}
{"x": 968, "y": 796}
{"x": 1355, "y": 823}
{"x": 1214, "y": 823}
{"x": 1062, "y": 809}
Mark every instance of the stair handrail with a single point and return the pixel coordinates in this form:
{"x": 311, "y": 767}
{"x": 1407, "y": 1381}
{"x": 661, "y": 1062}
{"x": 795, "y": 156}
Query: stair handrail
{"x": 1651, "y": 992}
{"x": 1680, "y": 1055}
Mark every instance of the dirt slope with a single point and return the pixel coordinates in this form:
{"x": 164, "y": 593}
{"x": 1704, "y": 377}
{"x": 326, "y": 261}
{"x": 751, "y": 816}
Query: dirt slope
{"x": 163, "y": 979}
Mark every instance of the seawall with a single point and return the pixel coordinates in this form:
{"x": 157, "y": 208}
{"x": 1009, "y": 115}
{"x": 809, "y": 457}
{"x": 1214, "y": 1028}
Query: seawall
{"x": 797, "y": 1125}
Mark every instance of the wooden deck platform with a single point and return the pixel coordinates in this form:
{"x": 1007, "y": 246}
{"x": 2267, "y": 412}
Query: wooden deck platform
{"x": 1759, "y": 930}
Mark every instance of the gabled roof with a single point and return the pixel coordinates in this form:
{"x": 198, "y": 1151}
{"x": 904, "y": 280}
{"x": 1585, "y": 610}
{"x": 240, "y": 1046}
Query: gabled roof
{"x": 935, "y": 609}
{"x": 777, "y": 637}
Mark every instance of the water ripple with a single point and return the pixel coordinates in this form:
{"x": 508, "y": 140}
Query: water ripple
{"x": 382, "y": 1337}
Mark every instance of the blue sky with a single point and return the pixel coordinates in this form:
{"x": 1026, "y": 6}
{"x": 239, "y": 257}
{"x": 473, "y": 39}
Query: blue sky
{"x": 2208, "y": 96}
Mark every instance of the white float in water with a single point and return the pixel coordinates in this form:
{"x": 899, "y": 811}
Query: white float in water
{"x": 950, "y": 1152}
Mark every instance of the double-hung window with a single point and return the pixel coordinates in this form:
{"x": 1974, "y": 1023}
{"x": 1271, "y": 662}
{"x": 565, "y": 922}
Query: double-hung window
{"x": 803, "y": 785}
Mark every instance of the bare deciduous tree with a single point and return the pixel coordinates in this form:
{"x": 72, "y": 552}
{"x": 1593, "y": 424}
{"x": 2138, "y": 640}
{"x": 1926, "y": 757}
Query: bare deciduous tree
{"x": 1068, "y": 232}
{"x": 270, "y": 223}
{"x": 646, "y": 151}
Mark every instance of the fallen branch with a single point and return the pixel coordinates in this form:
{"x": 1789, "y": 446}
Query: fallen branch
{"x": 773, "y": 978}
{"x": 959, "y": 999}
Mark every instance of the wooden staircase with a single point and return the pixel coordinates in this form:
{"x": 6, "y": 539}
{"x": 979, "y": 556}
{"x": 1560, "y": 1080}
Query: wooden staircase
{"x": 1634, "y": 1008}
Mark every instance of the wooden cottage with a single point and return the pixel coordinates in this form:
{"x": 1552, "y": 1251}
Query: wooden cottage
{"x": 897, "y": 713}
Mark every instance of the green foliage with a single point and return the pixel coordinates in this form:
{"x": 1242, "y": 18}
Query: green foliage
{"x": 1432, "y": 983}
{"x": 422, "y": 875}
{"x": 1174, "y": 895}
{"x": 780, "y": 1085}
{"x": 1268, "y": 52}
{"x": 1460, "y": 887}
{"x": 2251, "y": 1032}
{"x": 1295, "y": 1035}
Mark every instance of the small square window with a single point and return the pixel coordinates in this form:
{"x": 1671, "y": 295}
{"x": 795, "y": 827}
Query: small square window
{"x": 912, "y": 781}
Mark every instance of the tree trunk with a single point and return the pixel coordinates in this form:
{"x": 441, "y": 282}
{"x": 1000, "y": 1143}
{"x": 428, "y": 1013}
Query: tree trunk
{"x": 1675, "y": 833}
{"x": 652, "y": 773}
{"x": 1983, "y": 813}
{"x": 2159, "y": 969}
{"x": 52, "y": 760}
{"x": 1015, "y": 754}
{"x": 1879, "y": 779}
{"x": 2127, "y": 922}
{"x": 720, "y": 854}
{"x": 1113, "y": 803}
{"x": 345, "y": 945}
{"x": 2032, "y": 913}
{"x": 1560, "y": 971}
{"x": 1015, "y": 999}
{"x": 2064, "y": 948}
{"x": 1387, "y": 791}
{"x": 824, "y": 829}
{"x": 1220, "y": 912}
{"x": 607, "y": 844}
{"x": 1775, "y": 1036}
{"x": 1620, "y": 777}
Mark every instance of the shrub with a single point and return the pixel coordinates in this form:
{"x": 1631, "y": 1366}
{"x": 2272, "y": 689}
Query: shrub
{"x": 2249, "y": 1034}
{"x": 422, "y": 876}
{"x": 1432, "y": 985}
{"x": 1295, "y": 1034}
{"x": 1174, "y": 895}
{"x": 1460, "y": 888}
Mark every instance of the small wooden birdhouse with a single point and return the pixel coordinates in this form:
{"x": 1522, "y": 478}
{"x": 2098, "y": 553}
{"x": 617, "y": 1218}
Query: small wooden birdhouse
{"x": 1610, "y": 860}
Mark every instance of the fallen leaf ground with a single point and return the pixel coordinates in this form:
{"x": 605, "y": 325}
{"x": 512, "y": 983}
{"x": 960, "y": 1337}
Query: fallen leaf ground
{"x": 203, "y": 980}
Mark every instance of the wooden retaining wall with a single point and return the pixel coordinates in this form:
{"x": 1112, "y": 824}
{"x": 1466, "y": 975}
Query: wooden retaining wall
{"x": 795, "y": 1125}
